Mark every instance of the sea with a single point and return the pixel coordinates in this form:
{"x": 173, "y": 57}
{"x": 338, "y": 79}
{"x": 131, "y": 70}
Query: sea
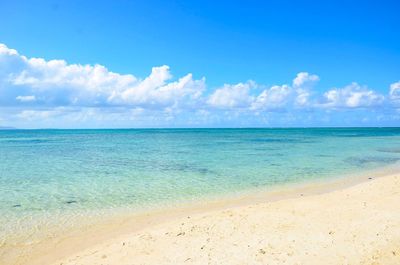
{"x": 62, "y": 178}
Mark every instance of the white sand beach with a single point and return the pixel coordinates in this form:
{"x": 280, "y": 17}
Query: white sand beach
{"x": 357, "y": 224}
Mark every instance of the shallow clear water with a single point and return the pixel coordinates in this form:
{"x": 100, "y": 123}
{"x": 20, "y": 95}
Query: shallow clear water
{"x": 45, "y": 174}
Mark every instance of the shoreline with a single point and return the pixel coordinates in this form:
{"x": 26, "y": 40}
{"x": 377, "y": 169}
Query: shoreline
{"x": 75, "y": 241}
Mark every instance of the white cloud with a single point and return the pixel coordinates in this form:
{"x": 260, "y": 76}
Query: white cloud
{"x": 394, "y": 93}
{"x": 4, "y": 50}
{"x": 50, "y": 93}
{"x": 58, "y": 83}
{"x": 154, "y": 90}
{"x": 26, "y": 98}
{"x": 283, "y": 96}
{"x": 303, "y": 84}
{"x": 276, "y": 97}
{"x": 33, "y": 115}
{"x": 232, "y": 96}
{"x": 305, "y": 80}
{"x": 352, "y": 96}
{"x": 272, "y": 98}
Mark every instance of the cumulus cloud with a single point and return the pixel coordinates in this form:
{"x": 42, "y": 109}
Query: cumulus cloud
{"x": 57, "y": 83}
{"x": 305, "y": 80}
{"x": 54, "y": 92}
{"x": 272, "y": 98}
{"x": 154, "y": 90}
{"x": 276, "y": 97}
{"x": 286, "y": 96}
{"x": 394, "y": 92}
{"x": 352, "y": 96}
{"x": 232, "y": 96}
{"x": 303, "y": 85}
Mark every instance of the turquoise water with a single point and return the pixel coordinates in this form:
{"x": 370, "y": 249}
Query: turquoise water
{"x": 46, "y": 174}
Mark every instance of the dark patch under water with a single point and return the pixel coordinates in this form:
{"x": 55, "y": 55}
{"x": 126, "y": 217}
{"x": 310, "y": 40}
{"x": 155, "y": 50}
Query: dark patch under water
{"x": 389, "y": 150}
{"x": 26, "y": 141}
{"x": 360, "y": 161}
{"x": 185, "y": 168}
{"x": 323, "y": 155}
{"x": 280, "y": 140}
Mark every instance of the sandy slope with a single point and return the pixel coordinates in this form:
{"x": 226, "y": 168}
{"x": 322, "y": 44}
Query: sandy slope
{"x": 355, "y": 225}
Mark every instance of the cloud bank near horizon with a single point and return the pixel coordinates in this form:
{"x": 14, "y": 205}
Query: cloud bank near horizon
{"x": 35, "y": 92}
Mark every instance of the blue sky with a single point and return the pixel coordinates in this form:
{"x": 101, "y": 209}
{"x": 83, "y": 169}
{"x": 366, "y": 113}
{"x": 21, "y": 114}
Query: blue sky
{"x": 251, "y": 63}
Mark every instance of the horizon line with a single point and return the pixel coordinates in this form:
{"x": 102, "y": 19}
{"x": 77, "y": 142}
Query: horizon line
{"x": 5, "y": 128}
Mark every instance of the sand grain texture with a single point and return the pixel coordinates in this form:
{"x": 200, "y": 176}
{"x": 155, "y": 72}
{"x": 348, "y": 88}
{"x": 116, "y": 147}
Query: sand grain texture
{"x": 356, "y": 225}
